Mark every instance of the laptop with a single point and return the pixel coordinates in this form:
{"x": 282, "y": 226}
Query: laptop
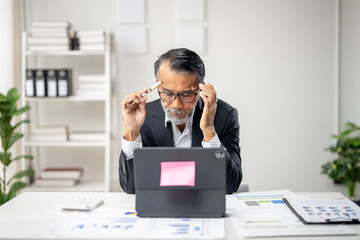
{"x": 180, "y": 182}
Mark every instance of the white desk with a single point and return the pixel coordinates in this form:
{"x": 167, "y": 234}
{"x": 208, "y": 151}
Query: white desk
{"x": 33, "y": 215}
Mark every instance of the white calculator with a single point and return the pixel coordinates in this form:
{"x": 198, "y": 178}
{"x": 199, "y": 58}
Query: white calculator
{"x": 82, "y": 204}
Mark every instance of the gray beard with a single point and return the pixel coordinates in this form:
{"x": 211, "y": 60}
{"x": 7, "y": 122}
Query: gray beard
{"x": 178, "y": 121}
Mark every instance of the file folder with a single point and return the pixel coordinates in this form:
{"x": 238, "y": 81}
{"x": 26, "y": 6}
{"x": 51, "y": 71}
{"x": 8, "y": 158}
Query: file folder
{"x": 51, "y": 82}
{"x": 40, "y": 83}
{"x": 64, "y": 82}
{"x": 30, "y": 90}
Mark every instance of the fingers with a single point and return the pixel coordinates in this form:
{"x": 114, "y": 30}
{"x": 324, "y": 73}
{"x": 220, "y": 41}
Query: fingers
{"x": 134, "y": 98}
{"x": 207, "y": 93}
{"x": 133, "y": 101}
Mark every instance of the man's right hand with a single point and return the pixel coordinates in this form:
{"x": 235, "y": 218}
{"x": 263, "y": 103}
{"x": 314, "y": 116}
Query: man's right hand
{"x": 134, "y": 113}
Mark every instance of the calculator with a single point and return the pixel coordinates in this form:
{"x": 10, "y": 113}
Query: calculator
{"x": 86, "y": 204}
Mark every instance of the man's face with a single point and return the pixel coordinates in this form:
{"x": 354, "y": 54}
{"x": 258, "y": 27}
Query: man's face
{"x": 174, "y": 82}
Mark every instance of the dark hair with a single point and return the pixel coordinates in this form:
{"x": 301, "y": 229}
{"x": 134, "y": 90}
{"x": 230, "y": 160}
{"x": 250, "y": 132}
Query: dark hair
{"x": 182, "y": 60}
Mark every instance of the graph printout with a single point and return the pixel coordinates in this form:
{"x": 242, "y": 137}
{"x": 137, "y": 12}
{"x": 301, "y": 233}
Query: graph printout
{"x": 108, "y": 223}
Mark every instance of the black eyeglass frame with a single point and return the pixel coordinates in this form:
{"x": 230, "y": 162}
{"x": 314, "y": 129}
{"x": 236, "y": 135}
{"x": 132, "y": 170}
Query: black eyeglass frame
{"x": 179, "y": 95}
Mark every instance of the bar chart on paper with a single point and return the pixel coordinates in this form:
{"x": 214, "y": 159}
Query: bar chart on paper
{"x": 124, "y": 223}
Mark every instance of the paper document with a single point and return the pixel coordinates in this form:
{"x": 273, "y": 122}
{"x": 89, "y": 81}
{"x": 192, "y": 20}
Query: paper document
{"x": 123, "y": 223}
{"x": 324, "y": 210}
{"x": 265, "y": 214}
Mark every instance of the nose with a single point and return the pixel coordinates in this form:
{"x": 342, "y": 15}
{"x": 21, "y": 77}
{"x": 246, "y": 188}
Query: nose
{"x": 177, "y": 103}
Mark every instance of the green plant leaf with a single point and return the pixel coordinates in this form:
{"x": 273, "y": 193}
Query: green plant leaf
{"x": 14, "y": 188}
{"x": 336, "y": 136}
{"x": 20, "y": 111}
{"x": 29, "y": 157}
{"x": 2, "y": 97}
{"x": 2, "y": 133}
{"x": 13, "y": 138}
{"x": 347, "y": 132}
{"x": 18, "y": 124}
{"x": 12, "y": 96}
{"x": 12, "y": 92}
{"x": 7, "y": 160}
{"x": 25, "y": 173}
{"x": 2, "y": 198}
{"x": 351, "y": 125}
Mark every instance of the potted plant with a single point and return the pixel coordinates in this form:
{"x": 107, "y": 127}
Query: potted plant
{"x": 345, "y": 168}
{"x": 8, "y": 110}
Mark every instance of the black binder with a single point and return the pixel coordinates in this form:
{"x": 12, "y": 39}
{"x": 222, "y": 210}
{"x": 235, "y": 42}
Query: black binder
{"x": 30, "y": 89}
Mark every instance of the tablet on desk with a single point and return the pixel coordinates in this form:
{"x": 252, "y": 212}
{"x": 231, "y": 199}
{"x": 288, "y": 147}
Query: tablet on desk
{"x": 180, "y": 182}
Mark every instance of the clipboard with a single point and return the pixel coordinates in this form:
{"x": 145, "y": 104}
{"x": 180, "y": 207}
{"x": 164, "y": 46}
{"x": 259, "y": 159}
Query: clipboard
{"x": 324, "y": 211}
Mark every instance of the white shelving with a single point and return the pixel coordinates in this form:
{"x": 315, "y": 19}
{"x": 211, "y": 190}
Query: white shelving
{"x": 32, "y": 147}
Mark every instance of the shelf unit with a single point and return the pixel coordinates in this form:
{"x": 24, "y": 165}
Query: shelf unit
{"x": 32, "y": 147}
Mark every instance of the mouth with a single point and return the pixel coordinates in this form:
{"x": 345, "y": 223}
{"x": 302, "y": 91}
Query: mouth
{"x": 178, "y": 115}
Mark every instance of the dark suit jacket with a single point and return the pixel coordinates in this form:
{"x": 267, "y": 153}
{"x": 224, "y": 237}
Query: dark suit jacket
{"x": 154, "y": 133}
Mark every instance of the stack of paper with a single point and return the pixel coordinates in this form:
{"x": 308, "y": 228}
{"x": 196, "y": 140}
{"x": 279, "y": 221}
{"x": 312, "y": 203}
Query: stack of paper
{"x": 265, "y": 214}
{"x": 50, "y": 133}
{"x": 49, "y": 36}
{"x": 59, "y": 177}
{"x": 91, "y": 85}
{"x": 87, "y": 136}
{"x": 92, "y": 40}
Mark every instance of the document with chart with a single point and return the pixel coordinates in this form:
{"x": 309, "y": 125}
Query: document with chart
{"x": 123, "y": 223}
{"x": 324, "y": 210}
{"x": 265, "y": 214}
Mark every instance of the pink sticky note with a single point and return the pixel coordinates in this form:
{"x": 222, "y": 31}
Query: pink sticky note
{"x": 177, "y": 173}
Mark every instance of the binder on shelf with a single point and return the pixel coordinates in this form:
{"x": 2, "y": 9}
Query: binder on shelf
{"x": 30, "y": 90}
{"x": 64, "y": 82}
{"x": 52, "y": 85}
{"x": 40, "y": 83}
{"x": 315, "y": 211}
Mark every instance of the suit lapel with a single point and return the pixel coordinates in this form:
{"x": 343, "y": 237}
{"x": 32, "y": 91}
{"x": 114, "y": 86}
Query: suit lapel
{"x": 163, "y": 135}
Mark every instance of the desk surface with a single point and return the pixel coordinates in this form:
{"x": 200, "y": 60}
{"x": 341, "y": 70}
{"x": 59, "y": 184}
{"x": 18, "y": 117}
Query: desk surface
{"x": 33, "y": 215}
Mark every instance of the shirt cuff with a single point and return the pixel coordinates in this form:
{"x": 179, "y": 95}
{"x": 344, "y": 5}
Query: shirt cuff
{"x": 213, "y": 143}
{"x": 128, "y": 147}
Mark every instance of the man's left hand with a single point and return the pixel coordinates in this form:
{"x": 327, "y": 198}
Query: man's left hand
{"x": 208, "y": 94}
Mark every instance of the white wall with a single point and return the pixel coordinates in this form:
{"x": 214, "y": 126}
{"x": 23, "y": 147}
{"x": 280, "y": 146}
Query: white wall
{"x": 6, "y": 46}
{"x": 350, "y": 62}
{"x": 10, "y": 61}
{"x": 274, "y": 60}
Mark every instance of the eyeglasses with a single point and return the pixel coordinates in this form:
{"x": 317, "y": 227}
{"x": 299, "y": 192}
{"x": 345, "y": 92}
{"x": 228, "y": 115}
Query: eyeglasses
{"x": 184, "y": 97}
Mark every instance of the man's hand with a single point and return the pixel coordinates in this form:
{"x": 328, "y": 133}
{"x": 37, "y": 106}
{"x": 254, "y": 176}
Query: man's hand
{"x": 208, "y": 115}
{"x": 134, "y": 113}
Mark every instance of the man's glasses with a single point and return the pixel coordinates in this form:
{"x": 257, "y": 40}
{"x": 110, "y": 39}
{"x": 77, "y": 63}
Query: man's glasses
{"x": 184, "y": 97}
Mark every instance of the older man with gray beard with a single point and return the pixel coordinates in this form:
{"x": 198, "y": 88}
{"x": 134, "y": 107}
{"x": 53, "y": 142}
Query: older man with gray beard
{"x": 187, "y": 114}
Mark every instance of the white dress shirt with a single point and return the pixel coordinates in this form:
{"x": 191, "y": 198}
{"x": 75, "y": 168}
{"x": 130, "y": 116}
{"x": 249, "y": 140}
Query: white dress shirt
{"x": 180, "y": 139}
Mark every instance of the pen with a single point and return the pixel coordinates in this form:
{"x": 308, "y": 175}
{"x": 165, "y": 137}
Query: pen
{"x": 150, "y": 89}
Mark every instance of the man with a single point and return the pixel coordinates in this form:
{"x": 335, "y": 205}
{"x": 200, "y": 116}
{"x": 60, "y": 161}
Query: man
{"x": 188, "y": 114}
